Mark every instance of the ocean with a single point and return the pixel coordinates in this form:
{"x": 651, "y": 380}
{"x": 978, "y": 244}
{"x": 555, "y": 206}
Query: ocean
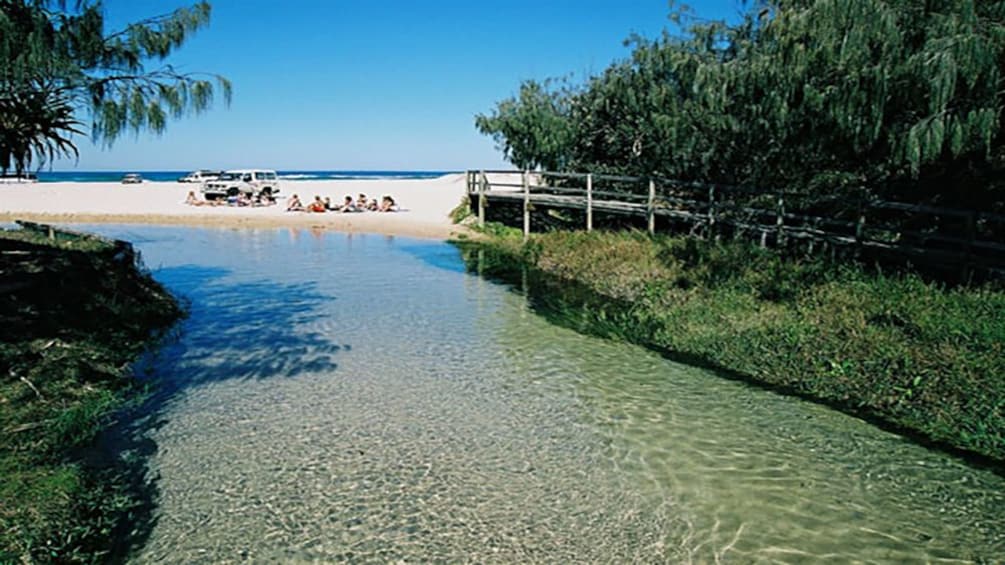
{"x": 169, "y": 176}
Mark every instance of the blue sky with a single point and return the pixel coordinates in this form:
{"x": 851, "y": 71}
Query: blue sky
{"x": 372, "y": 84}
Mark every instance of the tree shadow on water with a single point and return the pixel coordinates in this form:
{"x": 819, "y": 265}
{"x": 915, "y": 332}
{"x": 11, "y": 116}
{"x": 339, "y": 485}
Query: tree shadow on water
{"x": 248, "y": 330}
{"x": 234, "y": 330}
{"x": 436, "y": 254}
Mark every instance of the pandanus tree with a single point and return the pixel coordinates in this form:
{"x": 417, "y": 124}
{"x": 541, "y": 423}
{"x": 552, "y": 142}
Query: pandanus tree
{"x": 60, "y": 69}
{"x": 35, "y": 126}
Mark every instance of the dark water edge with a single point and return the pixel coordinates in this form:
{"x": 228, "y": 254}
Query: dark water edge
{"x": 573, "y": 305}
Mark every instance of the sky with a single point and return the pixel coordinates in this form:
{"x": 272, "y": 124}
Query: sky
{"x": 371, "y": 84}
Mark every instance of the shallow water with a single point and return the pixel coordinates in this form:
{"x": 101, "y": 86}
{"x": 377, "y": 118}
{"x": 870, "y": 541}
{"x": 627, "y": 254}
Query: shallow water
{"x": 362, "y": 398}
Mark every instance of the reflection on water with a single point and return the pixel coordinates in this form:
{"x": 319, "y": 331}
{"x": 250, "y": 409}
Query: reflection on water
{"x": 337, "y": 397}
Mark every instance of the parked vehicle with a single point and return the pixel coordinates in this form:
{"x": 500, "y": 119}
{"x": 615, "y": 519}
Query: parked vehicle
{"x": 260, "y": 182}
{"x": 17, "y": 179}
{"x": 132, "y": 178}
{"x": 200, "y": 176}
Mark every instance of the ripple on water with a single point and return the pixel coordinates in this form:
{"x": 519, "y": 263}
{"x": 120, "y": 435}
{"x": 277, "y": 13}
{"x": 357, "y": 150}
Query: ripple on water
{"x": 361, "y": 398}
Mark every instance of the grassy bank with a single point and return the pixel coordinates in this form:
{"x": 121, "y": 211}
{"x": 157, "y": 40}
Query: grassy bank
{"x": 73, "y": 315}
{"x": 907, "y": 353}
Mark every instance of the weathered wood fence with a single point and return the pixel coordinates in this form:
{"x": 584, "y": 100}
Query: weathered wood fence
{"x": 17, "y": 251}
{"x": 947, "y": 237}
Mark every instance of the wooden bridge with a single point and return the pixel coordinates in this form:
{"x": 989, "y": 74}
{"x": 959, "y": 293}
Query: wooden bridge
{"x": 943, "y": 237}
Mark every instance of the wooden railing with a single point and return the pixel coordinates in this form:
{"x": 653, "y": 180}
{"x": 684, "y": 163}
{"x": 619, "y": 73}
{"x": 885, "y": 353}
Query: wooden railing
{"x": 919, "y": 233}
{"x": 122, "y": 251}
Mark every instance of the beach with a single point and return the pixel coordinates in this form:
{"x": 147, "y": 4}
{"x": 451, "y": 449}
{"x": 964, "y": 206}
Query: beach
{"x": 424, "y": 205}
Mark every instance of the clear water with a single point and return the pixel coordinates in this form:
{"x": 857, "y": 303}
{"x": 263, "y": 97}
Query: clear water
{"x": 363, "y": 398}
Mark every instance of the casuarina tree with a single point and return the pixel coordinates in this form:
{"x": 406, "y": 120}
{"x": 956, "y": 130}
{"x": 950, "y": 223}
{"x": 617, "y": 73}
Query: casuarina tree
{"x": 902, "y": 98}
{"x": 62, "y": 72}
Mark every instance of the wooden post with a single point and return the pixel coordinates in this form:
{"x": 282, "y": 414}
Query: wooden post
{"x": 526, "y": 206}
{"x": 651, "y": 210}
{"x": 589, "y": 202}
{"x": 779, "y": 221}
{"x": 863, "y": 205}
{"x": 971, "y": 236}
{"x": 482, "y": 181}
{"x": 52, "y": 233}
{"x": 711, "y": 212}
{"x": 859, "y": 229}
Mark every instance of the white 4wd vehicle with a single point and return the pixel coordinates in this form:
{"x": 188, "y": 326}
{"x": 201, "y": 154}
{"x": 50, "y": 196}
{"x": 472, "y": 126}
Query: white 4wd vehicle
{"x": 249, "y": 181}
{"x": 200, "y": 176}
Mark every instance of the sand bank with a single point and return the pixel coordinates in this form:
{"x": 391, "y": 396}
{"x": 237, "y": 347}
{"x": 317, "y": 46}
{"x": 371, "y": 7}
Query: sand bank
{"x": 425, "y": 205}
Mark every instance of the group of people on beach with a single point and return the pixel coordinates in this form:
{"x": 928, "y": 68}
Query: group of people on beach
{"x": 361, "y": 204}
{"x": 239, "y": 199}
{"x": 386, "y": 204}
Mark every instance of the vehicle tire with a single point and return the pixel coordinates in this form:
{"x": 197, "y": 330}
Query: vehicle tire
{"x": 232, "y": 191}
{"x": 266, "y": 193}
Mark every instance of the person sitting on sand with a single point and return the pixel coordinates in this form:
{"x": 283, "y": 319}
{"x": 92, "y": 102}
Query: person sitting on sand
{"x": 294, "y": 204}
{"x": 317, "y": 206}
{"x": 387, "y": 204}
{"x": 373, "y": 206}
{"x": 193, "y": 200}
{"x": 347, "y": 205}
{"x": 244, "y": 199}
{"x": 328, "y": 204}
{"x": 361, "y": 202}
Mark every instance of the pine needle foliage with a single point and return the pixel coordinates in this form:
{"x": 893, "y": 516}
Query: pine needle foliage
{"x": 60, "y": 68}
{"x": 818, "y": 96}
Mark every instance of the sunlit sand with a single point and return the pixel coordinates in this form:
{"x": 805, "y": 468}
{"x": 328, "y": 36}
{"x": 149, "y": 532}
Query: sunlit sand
{"x": 424, "y": 205}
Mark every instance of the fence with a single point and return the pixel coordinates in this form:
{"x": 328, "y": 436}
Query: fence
{"x": 946, "y": 237}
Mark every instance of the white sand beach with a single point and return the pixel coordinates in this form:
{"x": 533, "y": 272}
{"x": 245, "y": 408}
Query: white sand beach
{"x": 424, "y": 205}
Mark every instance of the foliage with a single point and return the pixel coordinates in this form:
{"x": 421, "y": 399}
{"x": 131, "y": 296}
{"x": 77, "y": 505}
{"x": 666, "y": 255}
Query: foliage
{"x": 57, "y": 60}
{"x": 66, "y": 341}
{"x": 35, "y": 124}
{"x": 462, "y": 211}
{"x": 821, "y": 95}
{"x": 907, "y": 353}
{"x": 532, "y": 130}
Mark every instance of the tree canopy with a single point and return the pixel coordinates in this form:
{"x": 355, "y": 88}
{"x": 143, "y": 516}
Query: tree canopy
{"x": 897, "y": 96}
{"x": 60, "y": 69}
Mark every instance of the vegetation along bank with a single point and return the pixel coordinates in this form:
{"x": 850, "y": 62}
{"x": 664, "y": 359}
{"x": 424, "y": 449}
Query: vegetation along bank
{"x": 74, "y": 312}
{"x": 913, "y": 355}
{"x": 841, "y": 105}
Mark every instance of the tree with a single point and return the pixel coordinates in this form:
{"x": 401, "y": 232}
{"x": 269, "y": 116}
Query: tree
{"x": 35, "y": 124}
{"x": 901, "y": 97}
{"x": 532, "y": 130}
{"x": 60, "y": 68}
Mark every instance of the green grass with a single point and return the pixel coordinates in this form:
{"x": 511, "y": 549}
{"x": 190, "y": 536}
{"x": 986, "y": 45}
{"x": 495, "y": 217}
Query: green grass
{"x": 915, "y": 355}
{"x": 66, "y": 341}
{"x": 462, "y": 211}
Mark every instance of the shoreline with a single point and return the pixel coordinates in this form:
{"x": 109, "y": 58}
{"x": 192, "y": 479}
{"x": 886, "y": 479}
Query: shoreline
{"x": 425, "y": 206}
{"x": 803, "y": 340}
{"x": 331, "y": 221}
